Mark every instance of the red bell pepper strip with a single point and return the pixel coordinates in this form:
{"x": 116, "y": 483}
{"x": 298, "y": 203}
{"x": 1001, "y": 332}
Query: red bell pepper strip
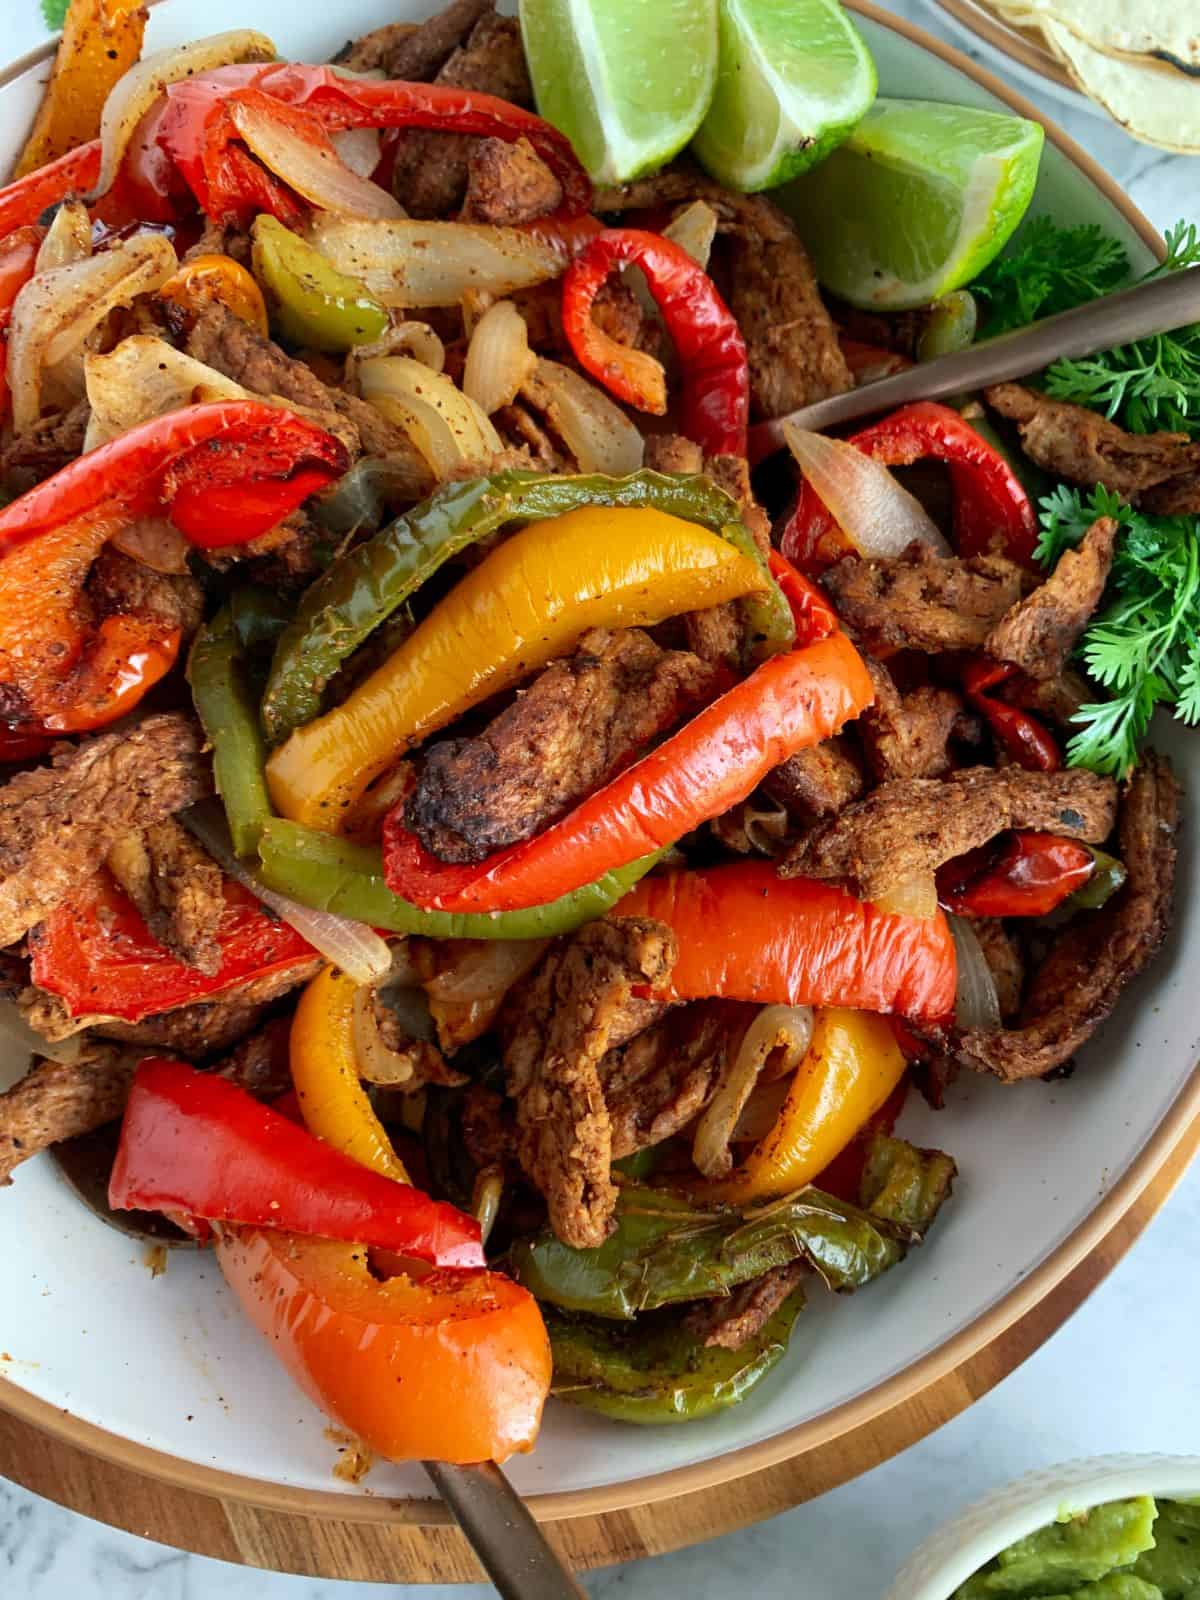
{"x": 1028, "y": 875}
{"x": 18, "y": 256}
{"x": 992, "y": 513}
{"x": 1027, "y": 741}
{"x": 218, "y": 445}
{"x": 95, "y": 952}
{"x": 23, "y": 202}
{"x": 714, "y": 762}
{"x": 23, "y": 741}
{"x": 715, "y": 405}
{"x": 197, "y": 130}
{"x": 193, "y": 1142}
{"x": 744, "y": 933}
{"x": 811, "y": 611}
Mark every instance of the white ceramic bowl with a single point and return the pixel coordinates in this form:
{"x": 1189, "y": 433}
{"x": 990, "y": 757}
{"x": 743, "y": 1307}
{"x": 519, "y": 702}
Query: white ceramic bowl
{"x": 163, "y": 1374}
{"x": 949, "y": 1556}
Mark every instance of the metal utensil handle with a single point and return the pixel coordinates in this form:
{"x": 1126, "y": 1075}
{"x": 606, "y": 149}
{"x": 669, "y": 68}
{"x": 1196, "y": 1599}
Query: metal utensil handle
{"x": 1147, "y": 308}
{"x": 513, "y": 1549}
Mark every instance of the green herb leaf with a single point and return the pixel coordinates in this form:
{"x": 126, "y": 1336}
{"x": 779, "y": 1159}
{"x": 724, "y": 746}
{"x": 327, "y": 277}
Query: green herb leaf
{"x": 55, "y": 13}
{"x": 1047, "y": 269}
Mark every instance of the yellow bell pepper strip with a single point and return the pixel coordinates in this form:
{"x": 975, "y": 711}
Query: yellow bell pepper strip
{"x": 208, "y": 278}
{"x": 312, "y": 303}
{"x": 332, "y": 1099}
{"x": 527, "y": 603}
{"x": 101, "y": 40}
{"x": 852, "y": 1066}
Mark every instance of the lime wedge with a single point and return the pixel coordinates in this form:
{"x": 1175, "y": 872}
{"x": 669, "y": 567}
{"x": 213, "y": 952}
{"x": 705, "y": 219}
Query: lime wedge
{"x": 793, "y": 77}
{"x": 627, "y": 81}
{"x": 916, "y": 202}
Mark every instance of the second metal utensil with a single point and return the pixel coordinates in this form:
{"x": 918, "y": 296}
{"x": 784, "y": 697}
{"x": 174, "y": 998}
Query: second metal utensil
{"x": 1147, "y": 308}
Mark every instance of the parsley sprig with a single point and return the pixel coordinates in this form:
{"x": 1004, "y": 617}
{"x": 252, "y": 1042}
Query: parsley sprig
{"x": 1144, "y": 646}
{"x": 1048, "y": 269}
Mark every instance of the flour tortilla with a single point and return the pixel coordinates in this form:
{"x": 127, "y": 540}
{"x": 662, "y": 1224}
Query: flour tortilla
{"x": 1159, "y": 107}
{"x": 1148, "y": 32}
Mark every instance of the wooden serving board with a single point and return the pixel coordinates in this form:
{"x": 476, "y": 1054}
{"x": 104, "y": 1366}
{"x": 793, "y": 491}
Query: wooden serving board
{"x": 407, "y": 1551}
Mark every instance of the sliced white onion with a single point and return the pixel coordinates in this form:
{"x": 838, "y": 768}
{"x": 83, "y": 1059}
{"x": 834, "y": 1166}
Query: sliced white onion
{"x": 313, "y": 170}
{"x": 133, "y": 94}
{"x": 145, "y": 377}
{"x": 465, "y": 997}
{"x": 693, "y": 230}
{"x": 416, "y": 339}
{"x": 499, "y": 359}
{"x": 57, "y": 310}
{"x": 357, "y": 950}
{"x": 915, "y": 897}
{"x": 594, "y": 428}
{"x": 17, "y": 1037}
{"x": 485, "y": 1202}
{"x": 68, "y": 238}
{"x": 753, "y": 828}
{"x": 448, "y": 429}
{"x": 377, "y": 1061}
{"x": 358, "y": 148}
{"x": 976, "y": 1002}
{"x": 407, "y": 263}
{"x": 877, "y": 516}
{"x": 788, "y": 1029}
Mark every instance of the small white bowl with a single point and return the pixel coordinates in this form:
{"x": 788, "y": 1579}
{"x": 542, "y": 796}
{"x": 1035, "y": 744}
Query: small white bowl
{"x": 949, "y": 1556}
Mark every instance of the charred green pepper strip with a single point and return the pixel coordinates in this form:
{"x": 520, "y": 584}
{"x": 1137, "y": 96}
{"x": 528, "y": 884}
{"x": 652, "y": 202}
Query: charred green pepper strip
{"x": 364, "y": 586}
{"x": 658, "y": 1370}
{"x": 310, "y": 301}
{"x": 225, "y": 706}
{"x": 259, "y": 617}
{"x": 333, "y": 874}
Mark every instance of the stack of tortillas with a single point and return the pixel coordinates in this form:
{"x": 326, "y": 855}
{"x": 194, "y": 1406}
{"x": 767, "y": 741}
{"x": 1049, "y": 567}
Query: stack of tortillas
{"x": 1139, "y": 58}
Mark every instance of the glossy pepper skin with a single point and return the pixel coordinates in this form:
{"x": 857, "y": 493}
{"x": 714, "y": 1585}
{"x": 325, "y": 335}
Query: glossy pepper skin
{"x": 364, "y": 586}
{"x": 715, "y": 402}
{"x": 224, "y": 704}
{"x": 1030, "y": 875}
{"x": 851, "y": 1068}
{"x": 101, "y": 40}
{"x": 23, "y": 201}
{"x": 715, "y": 761}
{"x": 224, "y": 473}
{"x": 744, "y": 933}
{"x": 1028, "y": 741}
{"x": 95, "y": 951}
{"x": 324, "y": 1066}
{"x": 215, "y": 278}
{"x": 198, "y": 132}
{"x": 527, "y": 602}
{"x": 453, "y": 1366}
{"x": 993, "y": 515}
{"x": 195, "y": 1143}
{"x": 333, "y": 874}
{"x": 18, "y": 256}
{"x": 312, "y": 303}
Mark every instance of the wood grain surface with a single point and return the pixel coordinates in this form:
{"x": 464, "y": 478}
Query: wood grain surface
{"x": 408, "y": 1552}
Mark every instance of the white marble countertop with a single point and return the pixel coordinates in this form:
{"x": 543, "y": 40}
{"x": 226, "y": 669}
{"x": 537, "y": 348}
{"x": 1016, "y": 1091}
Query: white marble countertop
{"x": 1122, "y": 1375}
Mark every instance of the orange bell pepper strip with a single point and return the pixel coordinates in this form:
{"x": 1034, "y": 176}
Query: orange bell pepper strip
{"x": 453, "y": 1366}
{"x": 101, "y": 40}
{"x": 789, "y": 703}
{"x": 333, "y": 1102}
{"x": 744, "y": 933}
{"x": 850, "y": 1070}
{"x": 525, "y": 604}
{"x": 208, "y": 278}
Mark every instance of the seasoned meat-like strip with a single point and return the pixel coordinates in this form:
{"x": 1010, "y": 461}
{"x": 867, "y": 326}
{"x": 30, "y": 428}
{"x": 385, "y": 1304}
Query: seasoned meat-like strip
{"x": 817, "y": 782}
{"x": 1072, "y": 442}
{"x": 57, "y": 823}
{"x": 56, "y": 1101}
{"x": 177, "y": 888}
{"x": 908, "y": 828}
{"x": 259, "y": 1064}
{"x": 1178, "y": 497}
{"x": 508, "y": 183}
{"x": 118, "y": 584}
{"x": 44, "y": 448}
{"x": 907, "y": 735}
{"x": 1039, "y": 632}
{"x": 1093, "y": 959}
{"x": 413, "y": 51}
{"x": 517, "y": 425}
{"x": 732, "y": 1321}
{"x": 556, "y": 1031}
{"x": 202, "y": 1029}
{"x": 657, "y": 1082}
{"x": 791, "y": 343}
{"x": 919, "y": 601}
{"x": 1005, "y": 962}
{"x": 430, "y": 175}
{"x": 579, "y": 721}
{"x": 672, "y": 452}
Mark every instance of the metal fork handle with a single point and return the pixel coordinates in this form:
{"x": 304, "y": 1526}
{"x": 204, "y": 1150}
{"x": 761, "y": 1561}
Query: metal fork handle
{"x": 1147, "y": 308}
{"x": 514, "y": 1551}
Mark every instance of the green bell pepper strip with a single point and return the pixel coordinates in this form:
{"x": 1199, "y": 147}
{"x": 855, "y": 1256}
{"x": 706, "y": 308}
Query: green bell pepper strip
{"x": 311, "y": 303}
{"x": 334, "y": 874}
{"x": 362, "y": 587}
{"x": 903, "y": 1187}
{"x": 259, "y": 617}
{"x": 224, "y": 704}
{"x": 658, "y": 1370}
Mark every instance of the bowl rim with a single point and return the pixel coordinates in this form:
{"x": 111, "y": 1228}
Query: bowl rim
{"x": 1036, "y": 1499}
{"x": 803, "y": 1436}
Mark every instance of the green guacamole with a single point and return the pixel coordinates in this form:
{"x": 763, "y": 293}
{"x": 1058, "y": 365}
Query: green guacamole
{"x": 1127, "y": 1550}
